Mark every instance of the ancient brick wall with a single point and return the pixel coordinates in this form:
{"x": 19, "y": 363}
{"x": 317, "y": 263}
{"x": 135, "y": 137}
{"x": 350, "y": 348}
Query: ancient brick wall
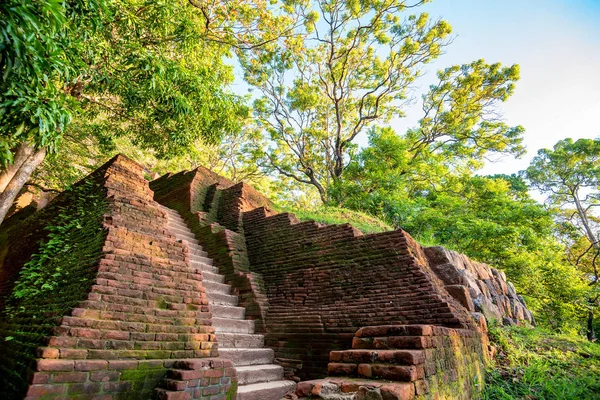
{"x": 146, "y": 307}
{"x": 402, "y": 362}
{"x": 213, "y": 211}
{"x": 325, "y": 282}
{"x": 209, "y": 378}
{"x": 32, "y": 299}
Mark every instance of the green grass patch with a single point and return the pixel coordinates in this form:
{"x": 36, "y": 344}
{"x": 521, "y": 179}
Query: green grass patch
{"x": 536, "y": 364}
{"x": 334, "y": 215}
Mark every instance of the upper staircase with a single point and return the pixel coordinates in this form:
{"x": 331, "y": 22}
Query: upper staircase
{"x": 258, "y": 377}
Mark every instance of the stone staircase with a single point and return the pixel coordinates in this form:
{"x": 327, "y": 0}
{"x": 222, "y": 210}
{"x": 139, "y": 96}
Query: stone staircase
{"x": 258, "y": 377}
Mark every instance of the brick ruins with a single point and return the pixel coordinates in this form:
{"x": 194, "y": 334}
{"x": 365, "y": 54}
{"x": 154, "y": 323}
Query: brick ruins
{"x": 198, "y": 289}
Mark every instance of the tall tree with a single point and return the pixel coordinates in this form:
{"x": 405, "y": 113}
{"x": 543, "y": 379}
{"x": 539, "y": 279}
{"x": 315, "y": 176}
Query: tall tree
{"x": 569, "y": 174}
{"x": 150, "y": 70}
{"x": 354, "y": 67}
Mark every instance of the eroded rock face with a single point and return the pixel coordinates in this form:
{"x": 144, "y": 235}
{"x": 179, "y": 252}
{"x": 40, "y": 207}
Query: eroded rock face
{"x": 478, "y": 287}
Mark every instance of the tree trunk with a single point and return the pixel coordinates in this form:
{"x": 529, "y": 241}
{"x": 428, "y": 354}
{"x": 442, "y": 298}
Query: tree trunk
{"x": 24, "y": 151}
{"x": 586, "y": 224}
{"x": 591, "y": 334}
{"x": 20, "y": 177}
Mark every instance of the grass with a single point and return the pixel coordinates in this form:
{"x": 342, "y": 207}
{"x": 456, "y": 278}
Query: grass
{"x": 334, "y": 215}
{"x": 536, "y": 364}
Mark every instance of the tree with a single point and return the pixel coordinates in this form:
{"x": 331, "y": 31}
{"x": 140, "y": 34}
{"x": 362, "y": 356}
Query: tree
{"x": 151, "y": 71}
{"x": 570, "y": 175}
{"x": 354, "y": 67}
{"x": 492, "y": 219}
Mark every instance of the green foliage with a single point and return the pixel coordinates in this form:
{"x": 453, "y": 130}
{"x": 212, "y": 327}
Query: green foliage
{"x": 537, "y": 364}
{"x": 491, "y": 219}
{"x": 57, "y": 276}
{"x": 336, "y": 77}
{"x": 335, "y": 215}
{"x": 569, "y": 175}
{"x": 49, "y": 269}
{"x": 41, "y": 52}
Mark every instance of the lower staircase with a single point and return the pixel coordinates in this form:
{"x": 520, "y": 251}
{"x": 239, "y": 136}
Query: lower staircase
{"x": 258, "y": 377}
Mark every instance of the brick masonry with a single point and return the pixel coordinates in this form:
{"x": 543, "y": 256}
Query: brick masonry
{"x": 146, "y": 309}
{"x": 315, "y": 292}
{"x": 325, "y": 282}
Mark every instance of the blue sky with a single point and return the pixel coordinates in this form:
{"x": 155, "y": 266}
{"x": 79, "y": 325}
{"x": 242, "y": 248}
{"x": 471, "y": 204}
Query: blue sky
{"x": 557, "y": 45}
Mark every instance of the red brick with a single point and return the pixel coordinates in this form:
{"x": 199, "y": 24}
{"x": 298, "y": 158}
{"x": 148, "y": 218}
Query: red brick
{"x": 341, "y": 369}
{"x": 55, "y": 365}
{"x": 398, "y": 391}
{"x": 90, "y": 365}
{"x": 395, "y": 372}
{"x": 365, "y": 370}
{"x": 104, "y": 376}
{"x": 122, "y": 364}
{"x": 45, "y": 390}
{"x": 40, "y": 377}
{"x": 69, "y": 377}
{"x": 47, "y": 352}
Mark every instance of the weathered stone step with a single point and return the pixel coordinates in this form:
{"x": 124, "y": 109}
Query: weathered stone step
{"x": 233, "y": 325}
{"x": 204, "y": 267}
{"x": 247, "y": 356}
{"x": 215, "y": 287}
{"x": 180, "y": 230}
{"x": 210, "y": 276}
{"x": 231, "y": 312}
{"x": 240, "y": 340}
{"x": 199, "y": 259}
{"x": 259, "y": 373}
{"x": 222, "y": 299}
{"x": 265, "y": 391}
{"x": 179, "y": 225}
{"x": 187, "y": 239}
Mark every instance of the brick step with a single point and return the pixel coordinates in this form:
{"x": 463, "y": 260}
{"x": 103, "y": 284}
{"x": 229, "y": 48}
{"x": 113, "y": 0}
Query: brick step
{"x": 259, "y": 373}
{"x": 130, "y": 288}
{"x": 222, "y": 299}
{"x": 196, "y": 250}
{"x": 119, "y": 278}
{"x": 233, "y": 325}
{"x": 184, "y": 282}
{"x": 360, "y": 356}
{"x": 392, "y": 372}
{"x": 84, "y": 353}
{"x": 200, "y": 259}
{"x": 230, "y": 312}
{"x": 74, "y": 348}
{"x": 185, "y": 235}
{"x": 120, "y": 323}
{"x": 187, "y": 239}
{"x": 215, "y": 287}
{"x": 204, "y": 267}
{"x": 211, "y": 276}
{"x": 120, "y": 331}
{"x": 275, "y": 390}
{"x": 180, "y": 224}
{"x": 248, "y": 356}
{"x": 340, "y": 388}
{"x": 240, "y": 340}
{"x": 131, "y": 321}
{"x": 129, "y": 261}
{"x": 113, "y": 311}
